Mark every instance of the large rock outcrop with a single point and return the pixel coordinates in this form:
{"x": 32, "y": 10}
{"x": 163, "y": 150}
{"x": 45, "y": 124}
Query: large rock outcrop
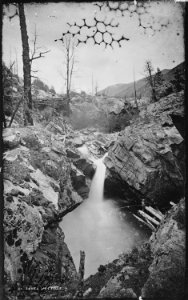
{"x": 167, "y": 272}
{"x": 147, "y": 160}
{"x": 41, "y": 185}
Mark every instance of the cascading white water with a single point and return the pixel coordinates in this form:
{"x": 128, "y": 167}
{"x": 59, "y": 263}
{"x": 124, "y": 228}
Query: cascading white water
{"x": 98, "y": 227}
{"x": 97, "y": 186}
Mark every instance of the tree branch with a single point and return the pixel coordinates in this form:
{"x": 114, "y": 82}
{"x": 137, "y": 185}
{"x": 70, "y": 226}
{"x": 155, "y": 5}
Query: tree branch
{"x": 34, "y": 44}
{"x": 12, "y": 64}
{"x": 40, "y": 55}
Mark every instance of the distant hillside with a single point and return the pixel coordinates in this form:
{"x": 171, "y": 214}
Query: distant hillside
{"x": 127, "y": 89}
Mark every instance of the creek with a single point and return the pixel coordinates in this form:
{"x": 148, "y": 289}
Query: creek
{"x": 99, "y": 227}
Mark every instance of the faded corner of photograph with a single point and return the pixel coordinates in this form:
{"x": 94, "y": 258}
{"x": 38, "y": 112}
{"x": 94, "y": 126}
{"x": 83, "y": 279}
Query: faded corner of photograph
{"x": 94, "y": 150}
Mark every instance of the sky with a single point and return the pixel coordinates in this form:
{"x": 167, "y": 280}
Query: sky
{"x": 162, "y": 43}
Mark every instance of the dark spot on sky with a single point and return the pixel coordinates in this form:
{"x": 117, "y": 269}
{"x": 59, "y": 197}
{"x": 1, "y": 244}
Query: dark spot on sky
{"x": 178, "y": 33}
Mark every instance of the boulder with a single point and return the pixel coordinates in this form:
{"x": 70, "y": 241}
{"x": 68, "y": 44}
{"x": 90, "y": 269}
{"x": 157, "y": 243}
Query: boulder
{"x": 78, "y": 142}
{"x": 43, "y": 182}
{"x": 54, "y": 128}
{"x": 86, "y": 166}
{"x": 146, "y": 161}
{"x": 72, "y": 154}
{"x": 79, "y": 182}
{"x": 11, "y": 138}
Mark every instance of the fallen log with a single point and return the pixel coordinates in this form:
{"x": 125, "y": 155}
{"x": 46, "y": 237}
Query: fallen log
{"x": 151, "y": 225}
{"x": 146, "y": 223}
{"x": 147, "y": 217}
{"x": 154, "y": 212}
{"x": 160, "y": 213}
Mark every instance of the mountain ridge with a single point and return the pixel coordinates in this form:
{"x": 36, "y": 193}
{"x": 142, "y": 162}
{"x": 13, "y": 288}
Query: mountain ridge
{"x": 120, "y": 90}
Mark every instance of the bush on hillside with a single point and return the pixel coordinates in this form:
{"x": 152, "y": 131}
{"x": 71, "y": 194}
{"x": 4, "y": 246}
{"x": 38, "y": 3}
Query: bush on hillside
{"x": 39, "y": 84}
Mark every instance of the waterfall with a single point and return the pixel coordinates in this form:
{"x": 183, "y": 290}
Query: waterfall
{"x": 98, "y": 226}
{"x": 97, "y": 186}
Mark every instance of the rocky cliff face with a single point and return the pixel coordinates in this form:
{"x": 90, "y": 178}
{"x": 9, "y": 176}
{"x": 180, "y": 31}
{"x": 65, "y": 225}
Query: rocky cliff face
{"x": 41, "y": 184}
{"x": 154, "y": 270}
{"x": 167, "y": 271}
{"x": 148, "y": 157}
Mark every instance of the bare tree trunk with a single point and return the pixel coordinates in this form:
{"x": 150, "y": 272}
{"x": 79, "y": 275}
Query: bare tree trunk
{"x": 67, "y": 81}
{"x": 135, "y": 96}
{"x": 81, "y": 275}
{"x": 26, "y": 68}
{"x": 152, "y": 85}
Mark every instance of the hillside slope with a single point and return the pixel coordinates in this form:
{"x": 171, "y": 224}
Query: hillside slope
{"x": 127, "y": 89}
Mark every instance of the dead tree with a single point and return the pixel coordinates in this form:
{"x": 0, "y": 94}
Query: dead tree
{"x": 27, "y": 61}
{"x": 81, "y": 271}
{"x": 135, "y": 96}
{"x": 96, "y": 88}
{"x": 150, "y": 78}
{"x": 35, "y": 53}
{"x": 26, "y": 67}
{"x": 69, "y": 48}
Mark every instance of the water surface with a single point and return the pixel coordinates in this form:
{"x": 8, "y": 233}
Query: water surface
{"x": 99, "y": 228}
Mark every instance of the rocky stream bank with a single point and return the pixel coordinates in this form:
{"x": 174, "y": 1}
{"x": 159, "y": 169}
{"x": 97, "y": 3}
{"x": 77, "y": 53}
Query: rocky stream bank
{"x": 46, "y": 176}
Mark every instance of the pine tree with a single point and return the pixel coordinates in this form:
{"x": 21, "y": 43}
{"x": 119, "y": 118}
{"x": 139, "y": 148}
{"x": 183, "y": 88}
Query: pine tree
{"x": 159, "y": 79}
{"x": 159, "y": 82}
{"x": 178, "y": 81}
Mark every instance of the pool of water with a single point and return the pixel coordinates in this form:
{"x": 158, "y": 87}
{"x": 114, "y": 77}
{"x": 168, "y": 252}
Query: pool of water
{"x": 100, "y": 228}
